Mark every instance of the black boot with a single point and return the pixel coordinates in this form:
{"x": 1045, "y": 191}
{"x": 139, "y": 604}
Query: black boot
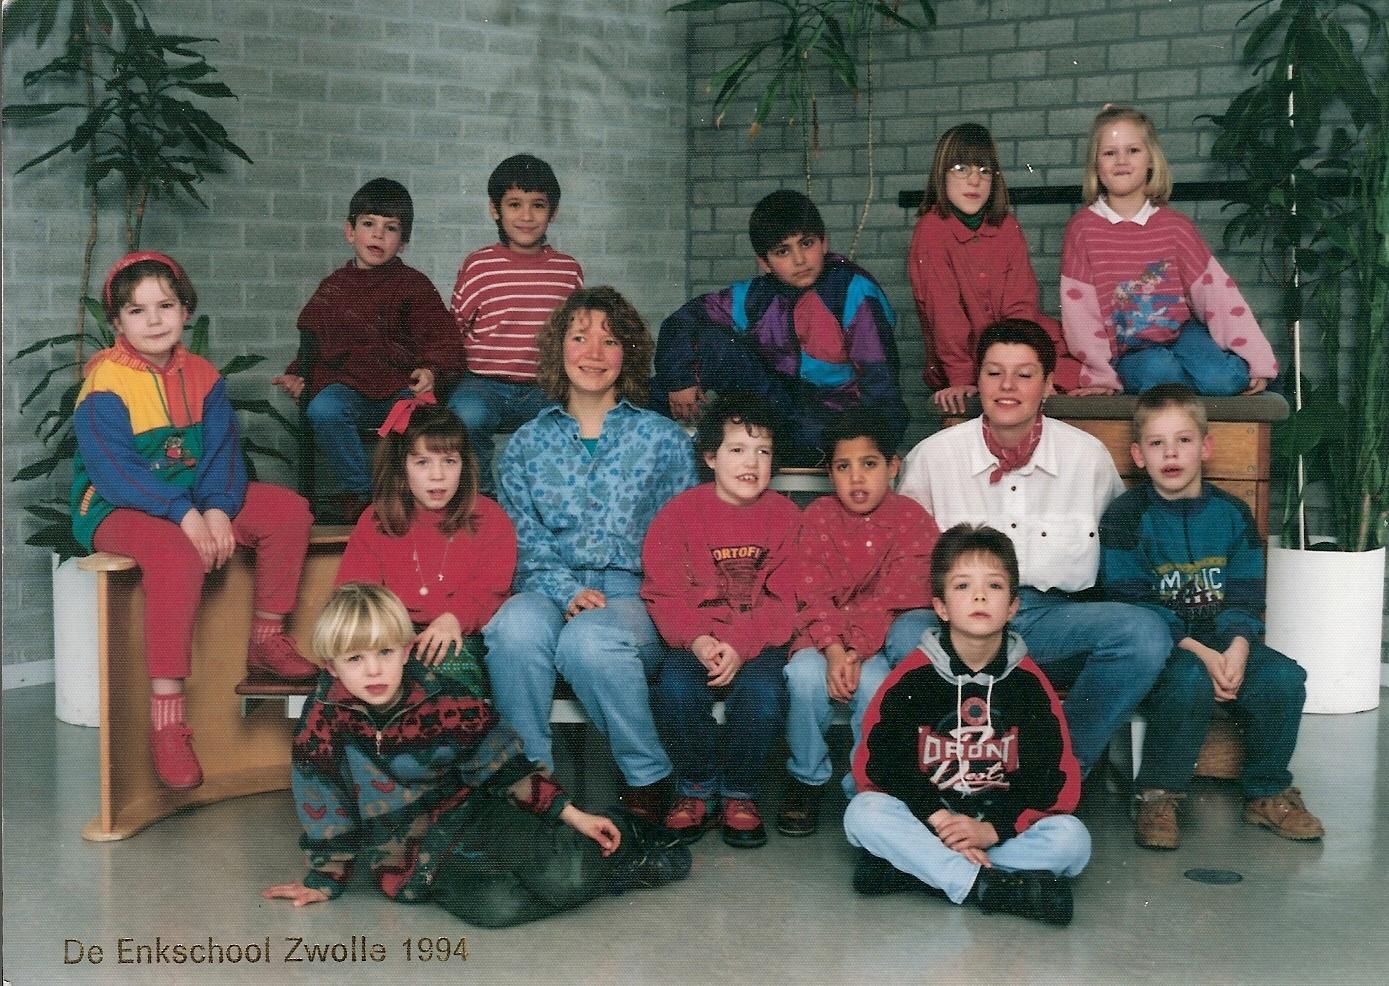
{"x": 646, "y": 859}
{"x": 650, "y": 802}
{"x": 1037, "y": 894}
{"x": 874, "y": 875}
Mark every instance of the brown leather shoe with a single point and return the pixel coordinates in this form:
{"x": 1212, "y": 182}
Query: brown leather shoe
{"x": 1155, "y": 824}
{"x": 800, "y": 809}
{"x": 1284, "y": 814}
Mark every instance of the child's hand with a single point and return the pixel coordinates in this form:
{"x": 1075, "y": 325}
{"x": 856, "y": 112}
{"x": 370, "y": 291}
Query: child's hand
{"x": 727, "y": 663}
{"x": 1093, "y": 392}
{"x": 289, "y": 383}
{"x": 1236, "y": 658}
{"x": 434, "y": 641}
{"x": 685, "y": 404}
{"x": 952, "y": 399}
{"x": 705, "y": 649}
{"x": 296, "y": 892}
{"x": 841, "y": 672}
{"x": 960, "y": 832}
{"x": 220, "y": 527}
{"x": 1256, "y": 385}
{"x": 195, "y": 527}
{"x": 1214, "y": 661}
{"x": 585, "y": 599}
{"x": 600, "y": 829}
{"x": 421, "y": 381}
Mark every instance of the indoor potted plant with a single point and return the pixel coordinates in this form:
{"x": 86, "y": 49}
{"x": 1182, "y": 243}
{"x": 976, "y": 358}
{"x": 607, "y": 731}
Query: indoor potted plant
{"x": 1312, "y": 137}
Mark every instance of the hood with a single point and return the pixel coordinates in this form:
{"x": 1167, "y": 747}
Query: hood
{"x": 930, "y": 645}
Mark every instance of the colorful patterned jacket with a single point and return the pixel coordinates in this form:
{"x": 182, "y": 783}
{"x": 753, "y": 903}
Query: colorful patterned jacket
{"x": 161, "y": 441}
{"x": 395, "y": 795}
{"x": 856, "y": 366}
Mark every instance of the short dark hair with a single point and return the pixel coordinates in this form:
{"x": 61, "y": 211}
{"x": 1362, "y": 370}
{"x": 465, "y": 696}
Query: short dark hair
{"x": 748, "y": 410}
{"x": 384, "y": 197}
{"x": 123, "y": 284}
{"x": 966, "y": 539}
{"x": 1020, "y": 332}
{"x": 858, "y": 422}
{"x": 779, "y": 215}
{"x": 526, "y": 172}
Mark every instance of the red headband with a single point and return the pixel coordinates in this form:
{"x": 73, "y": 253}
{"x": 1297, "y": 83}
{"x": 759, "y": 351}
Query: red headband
{"x": 398, "y": 418}
{"x": 129, "y": 260}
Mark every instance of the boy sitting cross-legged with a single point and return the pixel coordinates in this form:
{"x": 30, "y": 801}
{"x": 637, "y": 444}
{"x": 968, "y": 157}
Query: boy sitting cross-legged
{"x": 965, "y": 772}
{"x": 720, "y": 587}
{"x": 374, "y": 331}
{"x": 865, "y": 558}
{"x": 418, "y": 778}
{"x": 812, "y": 335}
{"x": 504, "y": 294}
{"x": 1191, "y": 552}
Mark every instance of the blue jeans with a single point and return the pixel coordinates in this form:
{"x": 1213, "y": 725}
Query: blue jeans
{"x": 1268, "y": 706}
{"x": 1192, "y": 358}
{"x": 886, "y": 827}
{"x": 607, "y": 655}
{"x": 486, "y": 405}
{"x": 810, "y": 710}
{"x": 755, "y": 714}
{"x": 337, "y": 414}
{"x": 1107, "y": 654}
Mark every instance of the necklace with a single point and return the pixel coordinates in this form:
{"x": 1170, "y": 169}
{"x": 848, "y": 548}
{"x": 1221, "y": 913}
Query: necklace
{"x": 415, "y": 557}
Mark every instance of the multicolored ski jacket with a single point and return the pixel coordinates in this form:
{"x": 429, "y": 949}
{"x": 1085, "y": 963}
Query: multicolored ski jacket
{"x": 854, "y": 365}
{"x": 161, "y": 441}
{"x": 395, "y": 794}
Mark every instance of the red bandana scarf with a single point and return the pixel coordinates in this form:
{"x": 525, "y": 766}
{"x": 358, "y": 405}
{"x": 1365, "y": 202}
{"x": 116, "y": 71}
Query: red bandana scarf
{"x": 1011, "y": 458}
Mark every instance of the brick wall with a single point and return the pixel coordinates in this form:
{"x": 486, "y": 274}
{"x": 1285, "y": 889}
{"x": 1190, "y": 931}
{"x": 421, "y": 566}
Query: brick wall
{"x": 433, "y": 92}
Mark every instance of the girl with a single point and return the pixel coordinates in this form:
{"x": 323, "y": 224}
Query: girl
{"x": 1143, "y": 300}
{"x": 429, "y": 538}
{"x": 968, "y": 266}
{"x": 582, "y": 481}
{"x": 159, "y": 476}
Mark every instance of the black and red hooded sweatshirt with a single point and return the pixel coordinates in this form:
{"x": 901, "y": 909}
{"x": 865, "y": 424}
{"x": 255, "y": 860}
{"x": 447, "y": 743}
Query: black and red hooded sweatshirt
{"x": 991, "y": 744}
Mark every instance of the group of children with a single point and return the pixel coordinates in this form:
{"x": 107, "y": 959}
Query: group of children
{"x": 606, "y": 564}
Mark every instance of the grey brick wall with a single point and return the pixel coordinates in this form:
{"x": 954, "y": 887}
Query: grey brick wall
{"x": 334, "y": 92}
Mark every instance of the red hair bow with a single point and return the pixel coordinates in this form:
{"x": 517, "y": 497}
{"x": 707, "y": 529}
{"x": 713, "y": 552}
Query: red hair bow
{"x": 398, "y": 418}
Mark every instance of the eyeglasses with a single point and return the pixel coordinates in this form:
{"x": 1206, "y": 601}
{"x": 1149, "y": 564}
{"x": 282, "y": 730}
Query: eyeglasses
{"x": 967, "y": 170}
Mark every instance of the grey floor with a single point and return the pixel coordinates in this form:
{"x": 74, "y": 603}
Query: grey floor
{"x": 1304, "y": 913}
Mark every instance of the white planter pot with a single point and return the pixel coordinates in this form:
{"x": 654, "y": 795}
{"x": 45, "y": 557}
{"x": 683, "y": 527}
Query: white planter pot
{"x": 76, "y": 680}
{"x": 1325, "y": 611}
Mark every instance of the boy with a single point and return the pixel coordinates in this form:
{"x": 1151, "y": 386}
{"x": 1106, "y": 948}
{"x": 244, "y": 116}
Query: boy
{"x": 865, "y": 557}
{"x": 503, "y": 295}
{"x": 375, "y": 330}
{"x": 720, "y": 588}
{"x": 966, "y": 774}
{"x": 812, "y": 335}
{"x": 1191, "y": 553}
{"x": 417, "y": 777}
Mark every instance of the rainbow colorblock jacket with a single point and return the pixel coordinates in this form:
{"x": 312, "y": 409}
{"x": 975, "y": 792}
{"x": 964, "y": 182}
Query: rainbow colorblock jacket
{"x": 159, "y": 440}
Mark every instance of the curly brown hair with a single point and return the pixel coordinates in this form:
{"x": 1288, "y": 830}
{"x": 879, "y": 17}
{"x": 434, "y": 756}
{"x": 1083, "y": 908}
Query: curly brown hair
{"x": 626, "y": 326}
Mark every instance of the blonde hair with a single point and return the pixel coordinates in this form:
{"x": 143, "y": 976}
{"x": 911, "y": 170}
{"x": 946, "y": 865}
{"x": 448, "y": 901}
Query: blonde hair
{"x": 359, "y": 616}
{"x": 1159, "y": 186}
{"x": 1169, "y": 397}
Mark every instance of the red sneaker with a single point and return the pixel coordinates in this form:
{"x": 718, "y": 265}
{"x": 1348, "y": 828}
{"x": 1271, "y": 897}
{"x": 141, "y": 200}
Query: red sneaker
{"x": 279, "y": 658}
{"x": 742, "y": 825}
{"x": 174, "y": 760}
{"x": 689, "y": 818}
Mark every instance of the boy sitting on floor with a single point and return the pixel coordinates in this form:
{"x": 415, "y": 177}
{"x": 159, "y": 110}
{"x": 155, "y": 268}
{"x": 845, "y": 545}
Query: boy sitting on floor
{"x": 1191, "y": 552}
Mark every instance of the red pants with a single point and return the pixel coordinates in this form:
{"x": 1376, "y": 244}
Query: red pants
{"x": 274, "y": 522}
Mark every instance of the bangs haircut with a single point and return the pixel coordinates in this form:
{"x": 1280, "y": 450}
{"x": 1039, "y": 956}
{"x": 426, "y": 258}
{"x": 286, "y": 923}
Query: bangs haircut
{"x": 359, "y": 617}
{"x": 967, "y": 143}
{"x": 1017, "y": 331}
{"x": 384, "y": 197}
{"x": 963, "y": 540}
{"x": 123, "y": 285}
{"x": 1159, "y": 184}
{"x": 627, "y": 327}
{"x": 440, "y": 431}
{"x": 781, "y": 214}
{"x": 1169, "y": 397}
{"x": 747, "y": 410}
{"x": 858, "y": 422}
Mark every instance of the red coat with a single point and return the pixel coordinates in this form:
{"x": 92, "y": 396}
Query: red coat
{"x": 476, "y": 571}
{"x": 964, "y": 281}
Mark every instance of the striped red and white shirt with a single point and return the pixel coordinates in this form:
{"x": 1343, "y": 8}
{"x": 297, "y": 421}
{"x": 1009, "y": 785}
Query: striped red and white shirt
{"x": 502, "y": 299}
